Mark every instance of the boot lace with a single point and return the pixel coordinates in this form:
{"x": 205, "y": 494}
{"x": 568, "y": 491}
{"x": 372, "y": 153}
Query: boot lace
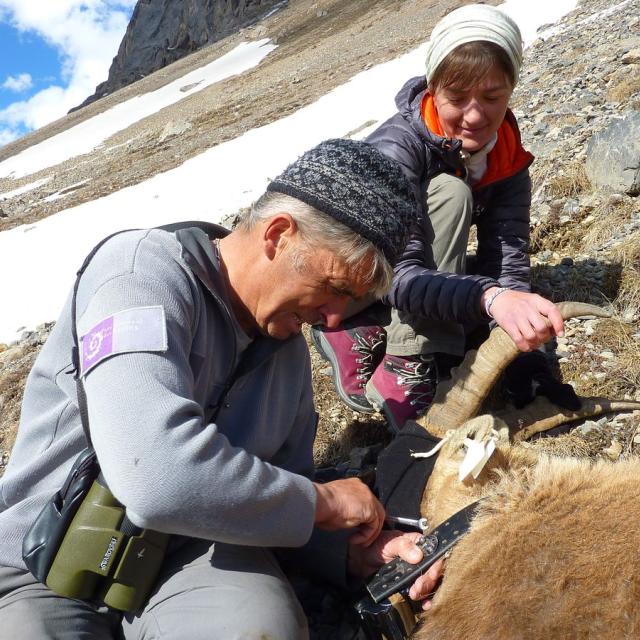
{"x": 419, "y": 377}
{"x": 365, "y": 346}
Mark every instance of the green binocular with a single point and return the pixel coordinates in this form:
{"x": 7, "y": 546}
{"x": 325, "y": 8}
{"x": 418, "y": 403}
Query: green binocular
{"x": 104, "y": 557}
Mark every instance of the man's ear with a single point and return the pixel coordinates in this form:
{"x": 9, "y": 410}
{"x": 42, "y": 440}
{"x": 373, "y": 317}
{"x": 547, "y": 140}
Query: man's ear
{"x": 277, "y": 234}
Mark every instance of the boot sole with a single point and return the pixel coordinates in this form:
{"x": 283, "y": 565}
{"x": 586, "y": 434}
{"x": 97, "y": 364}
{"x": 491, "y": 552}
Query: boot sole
{"x": 327, "y": 354}
{"x": 372, "y": 395}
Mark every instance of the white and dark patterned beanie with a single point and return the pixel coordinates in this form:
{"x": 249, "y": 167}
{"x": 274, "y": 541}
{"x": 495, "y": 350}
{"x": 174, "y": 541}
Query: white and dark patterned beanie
{"x": 473, "y": 23}
{"x": 357, "y": 185}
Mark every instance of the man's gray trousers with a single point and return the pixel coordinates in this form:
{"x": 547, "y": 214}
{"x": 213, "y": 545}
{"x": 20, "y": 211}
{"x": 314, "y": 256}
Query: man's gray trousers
{"x": 205, "y": 591}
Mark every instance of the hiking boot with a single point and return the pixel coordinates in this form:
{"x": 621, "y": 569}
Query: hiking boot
{"x": 354, "y": 352}
{"x": 403, "y": 387}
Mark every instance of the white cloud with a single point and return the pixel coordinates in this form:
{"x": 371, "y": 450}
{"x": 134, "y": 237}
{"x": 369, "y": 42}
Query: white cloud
{"x": 18, "y": 83}
{"x": 8, "y": 135}
{"x": 86, "y": 34}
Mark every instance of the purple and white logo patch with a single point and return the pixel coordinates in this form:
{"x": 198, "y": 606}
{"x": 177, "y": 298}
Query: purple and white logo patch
{"x": 97, "y": 344}
{"x": 132, "y": 330}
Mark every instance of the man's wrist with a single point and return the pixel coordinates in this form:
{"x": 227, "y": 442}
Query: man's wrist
{"x": 323, "y": 511}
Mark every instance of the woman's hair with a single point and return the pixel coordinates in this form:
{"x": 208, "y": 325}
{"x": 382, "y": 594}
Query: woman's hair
{"x": 317, "y": 229}
{"x": 467, "y": 64}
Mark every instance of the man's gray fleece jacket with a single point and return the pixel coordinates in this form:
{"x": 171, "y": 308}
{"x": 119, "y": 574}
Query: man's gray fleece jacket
{"x": 240, "y": 479}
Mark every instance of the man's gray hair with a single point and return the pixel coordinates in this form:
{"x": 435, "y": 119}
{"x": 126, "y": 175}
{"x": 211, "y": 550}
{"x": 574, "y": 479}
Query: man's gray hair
{"x": 317, "y": 229}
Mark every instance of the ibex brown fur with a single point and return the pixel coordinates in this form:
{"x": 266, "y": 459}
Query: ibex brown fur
{"x": 554, "y": 553}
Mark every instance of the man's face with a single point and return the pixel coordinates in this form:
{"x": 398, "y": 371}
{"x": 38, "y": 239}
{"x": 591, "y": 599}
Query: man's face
{"x": 315, "y": 293}
{"x": 474, "y": 114}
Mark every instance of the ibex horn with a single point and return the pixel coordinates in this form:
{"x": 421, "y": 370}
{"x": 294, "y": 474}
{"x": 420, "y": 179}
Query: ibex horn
{"x": 542, "y": 415}
{"x": 460, "y": 398}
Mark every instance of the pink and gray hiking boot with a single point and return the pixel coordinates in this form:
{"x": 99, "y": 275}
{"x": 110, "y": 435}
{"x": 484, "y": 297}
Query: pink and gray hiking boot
{"x": 354, "y": 352}
{"x": 403, "y": 387}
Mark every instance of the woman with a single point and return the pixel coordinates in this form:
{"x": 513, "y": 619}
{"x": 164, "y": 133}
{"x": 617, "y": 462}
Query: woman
{"x": 460, "y": 145}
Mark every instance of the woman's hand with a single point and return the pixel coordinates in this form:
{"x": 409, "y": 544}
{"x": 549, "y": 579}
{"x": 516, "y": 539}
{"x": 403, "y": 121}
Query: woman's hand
{"x": 388, "y": 546}
{"x": 528, "y": 318}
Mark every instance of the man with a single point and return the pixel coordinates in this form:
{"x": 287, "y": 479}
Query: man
{"x": 220, "y": 461}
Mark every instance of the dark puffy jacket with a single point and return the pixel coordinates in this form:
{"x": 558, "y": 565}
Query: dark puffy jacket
{"x": 501, "y": 214}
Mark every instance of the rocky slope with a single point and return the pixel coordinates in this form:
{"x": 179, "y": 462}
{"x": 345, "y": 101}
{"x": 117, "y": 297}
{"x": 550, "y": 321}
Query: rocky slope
{"x": 578, "y": 84}
{"x": 163, "y": 31}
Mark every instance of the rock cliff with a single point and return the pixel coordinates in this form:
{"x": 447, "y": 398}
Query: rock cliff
{"x": 163, "y": 31}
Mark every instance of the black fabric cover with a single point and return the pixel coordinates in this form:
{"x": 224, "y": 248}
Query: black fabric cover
{"x": 401, "y": 479}
{"x": 41, "y": 544}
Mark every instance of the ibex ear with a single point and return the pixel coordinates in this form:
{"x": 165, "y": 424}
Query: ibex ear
{"x": 481, "y": 428}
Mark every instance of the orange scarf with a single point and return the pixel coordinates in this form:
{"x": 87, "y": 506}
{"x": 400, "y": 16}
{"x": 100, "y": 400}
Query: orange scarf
{"x": 506, "y": 159}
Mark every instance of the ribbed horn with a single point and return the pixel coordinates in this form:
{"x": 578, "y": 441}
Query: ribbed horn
{"x": 542, "y": 415}
{"x": 460, "y": 398}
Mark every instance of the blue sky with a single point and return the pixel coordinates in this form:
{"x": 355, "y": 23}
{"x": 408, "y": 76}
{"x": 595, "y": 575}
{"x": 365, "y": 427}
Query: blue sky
{"x": 53, "y": 53}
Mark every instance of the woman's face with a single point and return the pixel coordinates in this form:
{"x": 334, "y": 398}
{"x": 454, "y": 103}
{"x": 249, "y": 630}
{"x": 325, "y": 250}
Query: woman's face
{"x": 473, "y": 114}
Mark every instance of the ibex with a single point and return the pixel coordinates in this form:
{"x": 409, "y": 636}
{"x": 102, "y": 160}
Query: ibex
{"x": 554, "y": 550}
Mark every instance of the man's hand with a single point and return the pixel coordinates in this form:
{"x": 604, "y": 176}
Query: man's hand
{"x": 343, "y": 504}
{"x": 388, "y": 546}
{"x": 528, "y": 318}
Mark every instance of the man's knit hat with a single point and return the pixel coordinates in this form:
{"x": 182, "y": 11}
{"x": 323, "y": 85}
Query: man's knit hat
{"x": 357, "y": 185}
{"x": 472, "y": 23}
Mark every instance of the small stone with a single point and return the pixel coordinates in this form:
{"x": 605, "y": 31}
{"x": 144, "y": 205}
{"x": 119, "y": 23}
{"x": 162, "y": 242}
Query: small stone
{"x": 588, "y": 427}
{"x": 174, "y": 129}
{"x": 631, "y": 57}
{"x": 613, "y": 452}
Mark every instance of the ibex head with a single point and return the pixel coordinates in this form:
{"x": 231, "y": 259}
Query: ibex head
{"x": 446, "y": 492}
{"x": 458, "y": 401}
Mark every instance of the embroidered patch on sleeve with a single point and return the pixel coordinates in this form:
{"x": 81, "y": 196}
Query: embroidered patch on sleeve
{"x": 128, "y": 331}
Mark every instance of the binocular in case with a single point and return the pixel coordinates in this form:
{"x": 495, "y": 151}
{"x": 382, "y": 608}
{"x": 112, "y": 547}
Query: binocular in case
{"x": 104, "y": 557}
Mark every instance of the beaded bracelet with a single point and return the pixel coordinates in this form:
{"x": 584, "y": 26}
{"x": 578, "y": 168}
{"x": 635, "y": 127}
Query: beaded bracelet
{"x": 491, "y": 299}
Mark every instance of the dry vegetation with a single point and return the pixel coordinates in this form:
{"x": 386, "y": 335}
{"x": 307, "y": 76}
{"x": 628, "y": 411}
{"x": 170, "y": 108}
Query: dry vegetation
{"x": 624, "y": 87}
{"x": 15, "y": 364}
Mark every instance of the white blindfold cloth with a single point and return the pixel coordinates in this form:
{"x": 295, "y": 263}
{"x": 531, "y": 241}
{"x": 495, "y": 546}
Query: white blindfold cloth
{"x": 471, "y": 23}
